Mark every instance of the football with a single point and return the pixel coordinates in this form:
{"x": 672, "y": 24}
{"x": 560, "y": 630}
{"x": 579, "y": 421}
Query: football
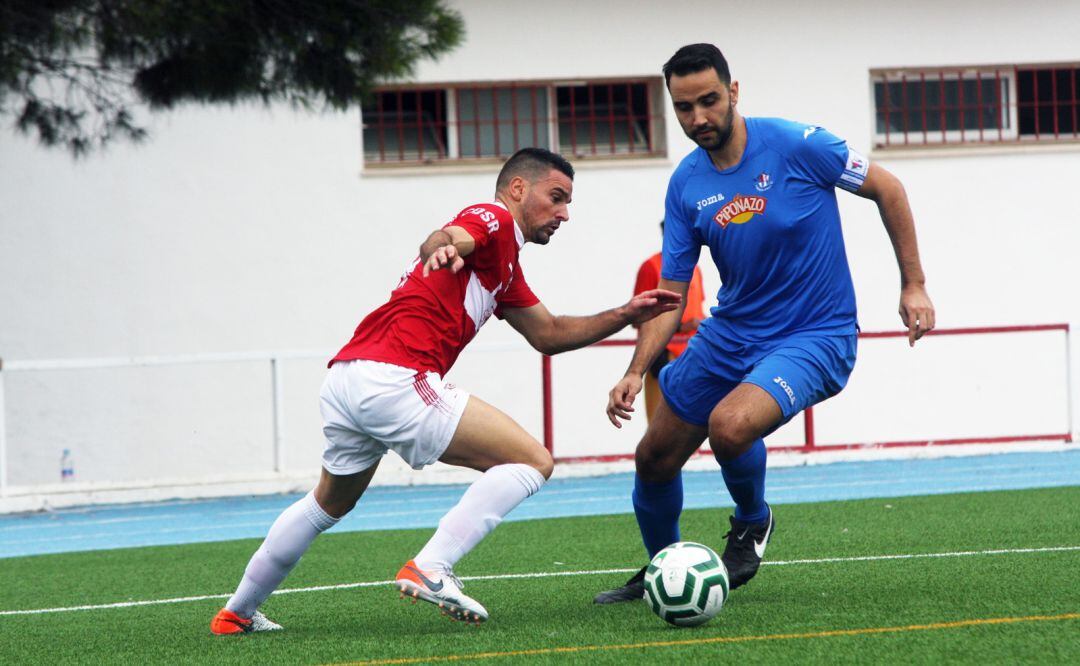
{"x": 686, "y": 584}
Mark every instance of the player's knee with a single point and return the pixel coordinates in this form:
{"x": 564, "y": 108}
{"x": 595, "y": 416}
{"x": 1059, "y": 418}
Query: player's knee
{"x": 543, "y": 463}
{"x": 334, "y": 502}
{"x": 337, "y": 508}
{"x": 729, "y": 435}
{"x": 655, "y": 464}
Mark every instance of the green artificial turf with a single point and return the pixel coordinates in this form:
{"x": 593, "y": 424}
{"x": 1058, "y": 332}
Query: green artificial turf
{"x": 788, "y": 608}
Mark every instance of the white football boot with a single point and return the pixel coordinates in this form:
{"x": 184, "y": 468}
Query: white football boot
{"x": 442, "y": 589}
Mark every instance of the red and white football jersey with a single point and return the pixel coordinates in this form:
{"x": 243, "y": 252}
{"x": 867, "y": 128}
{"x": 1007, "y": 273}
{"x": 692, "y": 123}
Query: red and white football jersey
{"x": 429, "y": 320}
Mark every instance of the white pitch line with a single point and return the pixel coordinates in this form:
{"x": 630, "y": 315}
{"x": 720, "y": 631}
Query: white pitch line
{"x": 543, "y": 574}
{"x": 959, "y": 553}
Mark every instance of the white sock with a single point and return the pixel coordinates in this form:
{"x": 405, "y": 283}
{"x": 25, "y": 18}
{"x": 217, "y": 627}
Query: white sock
{"x": 288, "y": 539}
{"x": 479, "y": 511}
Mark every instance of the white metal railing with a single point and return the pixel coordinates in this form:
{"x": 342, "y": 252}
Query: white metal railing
{"x": 273, "y": 358}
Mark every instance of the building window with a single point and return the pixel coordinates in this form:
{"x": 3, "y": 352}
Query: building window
{"x": 604, "y": 119}
{"x": 458, "y": 123}
{"x": 408, "y": 124}
{"x": 981, "y": 105}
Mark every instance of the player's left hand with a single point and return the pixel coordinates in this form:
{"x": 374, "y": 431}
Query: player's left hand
{"x": 446, "y": 256}
{"x": 649, "y": 304}
{"x": 916, "y": 311}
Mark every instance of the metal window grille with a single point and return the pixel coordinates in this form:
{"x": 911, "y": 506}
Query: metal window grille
{"x": 406, "y": 126}
{"x": 457, "y": 123}
{"x": 604, "y": 119}
{"x": 980, "y": 105}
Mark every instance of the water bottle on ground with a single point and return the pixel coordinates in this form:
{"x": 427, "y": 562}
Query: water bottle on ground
{"x": 67, "y": 466}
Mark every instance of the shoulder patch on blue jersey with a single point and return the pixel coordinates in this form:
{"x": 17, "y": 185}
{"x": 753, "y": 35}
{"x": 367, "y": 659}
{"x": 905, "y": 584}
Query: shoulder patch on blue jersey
{"x": 854, "y": 171}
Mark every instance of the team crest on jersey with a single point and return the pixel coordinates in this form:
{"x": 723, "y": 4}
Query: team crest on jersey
{"x": 740, "y": 210}
{"x": 763, "y": 182}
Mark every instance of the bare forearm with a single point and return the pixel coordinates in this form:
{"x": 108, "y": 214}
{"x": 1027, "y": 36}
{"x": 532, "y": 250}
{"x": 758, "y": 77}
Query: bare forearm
{"x": 653, "y": 336}
{"x": 436, "y": 240}
{"x": 900, "y": 225}
{"x": 570, "y": 332}
{"x": 549, "y": 334}
{"x": 916, "y": 309}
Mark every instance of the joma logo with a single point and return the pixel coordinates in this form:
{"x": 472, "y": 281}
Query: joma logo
{"x": 708, "y": 201}
{"x": 787, "y": 388}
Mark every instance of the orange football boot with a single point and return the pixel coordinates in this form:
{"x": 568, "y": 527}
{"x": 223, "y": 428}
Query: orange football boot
{"x": 227, "y": 622}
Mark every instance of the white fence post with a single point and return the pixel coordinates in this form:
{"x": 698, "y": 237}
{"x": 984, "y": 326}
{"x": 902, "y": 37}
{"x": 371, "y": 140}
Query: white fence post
{"x": 3, "y": 437}
{"x": 279, "y": 416}
{"x": 1068, "y": 378}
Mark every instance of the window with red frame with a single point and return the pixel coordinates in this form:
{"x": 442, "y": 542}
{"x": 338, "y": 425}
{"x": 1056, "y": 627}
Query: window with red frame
{"x": 979, "y": 105}
{"x": 456, "y": 123}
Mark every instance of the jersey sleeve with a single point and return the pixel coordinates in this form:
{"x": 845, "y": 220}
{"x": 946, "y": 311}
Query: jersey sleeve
{"x": 825, "y": 159}
{"x": 517, "y": 295}
{"x": 681, "y": 244}
{"x": 480, "y": 221}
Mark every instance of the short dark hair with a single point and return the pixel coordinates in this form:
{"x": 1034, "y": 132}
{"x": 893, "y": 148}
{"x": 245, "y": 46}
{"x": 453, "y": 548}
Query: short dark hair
{"x": 532, "y": 164}
{"x": 694, "y": 58}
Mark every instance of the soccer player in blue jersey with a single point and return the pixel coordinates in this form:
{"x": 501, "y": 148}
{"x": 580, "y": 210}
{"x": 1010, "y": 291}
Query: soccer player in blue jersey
{"x": 760, "y": 193}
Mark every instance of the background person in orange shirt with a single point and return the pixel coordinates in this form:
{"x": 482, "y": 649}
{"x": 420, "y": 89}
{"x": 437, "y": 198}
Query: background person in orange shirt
{"x": 647, "y": 278}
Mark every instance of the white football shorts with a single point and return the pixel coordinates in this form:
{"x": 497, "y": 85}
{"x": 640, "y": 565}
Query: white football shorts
{"x": 369, "y": 408}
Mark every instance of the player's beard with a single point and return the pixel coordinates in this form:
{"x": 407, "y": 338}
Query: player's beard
{"x": 541, "y": 234}
{"x": 723, "y": 132}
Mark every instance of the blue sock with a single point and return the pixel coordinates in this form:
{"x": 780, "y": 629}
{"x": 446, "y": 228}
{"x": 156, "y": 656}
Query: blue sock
{"x": 657, "y": 507}
{"x": 745, "y": 479}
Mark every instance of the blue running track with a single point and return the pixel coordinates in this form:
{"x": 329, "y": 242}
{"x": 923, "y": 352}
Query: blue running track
{"x": 191, "y": 521}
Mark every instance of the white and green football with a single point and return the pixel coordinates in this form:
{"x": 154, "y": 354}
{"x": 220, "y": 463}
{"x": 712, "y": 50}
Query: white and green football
{"x": 686, "y": 584}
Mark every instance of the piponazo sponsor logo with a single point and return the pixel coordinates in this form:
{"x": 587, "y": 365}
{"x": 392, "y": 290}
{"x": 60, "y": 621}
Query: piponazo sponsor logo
{"x": 740, "y": 209}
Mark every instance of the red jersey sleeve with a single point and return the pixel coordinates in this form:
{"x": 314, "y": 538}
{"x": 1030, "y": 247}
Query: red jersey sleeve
{"x": 481, "y": 221}
{"x": 517, "y": 295}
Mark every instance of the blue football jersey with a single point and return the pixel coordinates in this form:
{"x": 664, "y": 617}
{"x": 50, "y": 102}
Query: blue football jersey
{"x": 773, "y": 228}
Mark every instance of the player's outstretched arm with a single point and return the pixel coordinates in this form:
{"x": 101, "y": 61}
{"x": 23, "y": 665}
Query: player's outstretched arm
{"x": 551, "y": 334}
{"x": 916, "y": 309}
{"x": 446, "y": 248}
{"x": 653, "y": 336}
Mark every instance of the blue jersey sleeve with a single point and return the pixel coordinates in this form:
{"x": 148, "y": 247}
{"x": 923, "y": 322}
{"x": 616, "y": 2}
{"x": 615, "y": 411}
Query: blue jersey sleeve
{"x": 682, "y": 247}
{"x": 825, "y": 159}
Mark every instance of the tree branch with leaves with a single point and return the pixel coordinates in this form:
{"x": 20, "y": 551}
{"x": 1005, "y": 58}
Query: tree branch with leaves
{"x": 73, "y": 72}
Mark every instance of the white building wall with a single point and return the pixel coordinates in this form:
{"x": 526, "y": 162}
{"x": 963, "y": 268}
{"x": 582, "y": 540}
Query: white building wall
{"x": 236, "y": 229}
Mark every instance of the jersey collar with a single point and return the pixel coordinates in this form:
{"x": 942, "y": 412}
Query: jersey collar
{"x": 518, "y": 236}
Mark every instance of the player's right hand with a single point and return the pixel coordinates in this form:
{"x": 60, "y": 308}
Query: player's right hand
{"x": 621, "y": 399}
{"x": 446, "y": 255}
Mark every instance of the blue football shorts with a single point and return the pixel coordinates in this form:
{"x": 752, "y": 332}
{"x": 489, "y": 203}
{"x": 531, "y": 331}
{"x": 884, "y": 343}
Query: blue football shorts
{"x": 797, "y": 371}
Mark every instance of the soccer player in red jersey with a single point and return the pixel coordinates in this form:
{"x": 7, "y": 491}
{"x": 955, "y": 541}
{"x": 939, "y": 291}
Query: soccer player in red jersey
{"x": 384, "y": 390}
